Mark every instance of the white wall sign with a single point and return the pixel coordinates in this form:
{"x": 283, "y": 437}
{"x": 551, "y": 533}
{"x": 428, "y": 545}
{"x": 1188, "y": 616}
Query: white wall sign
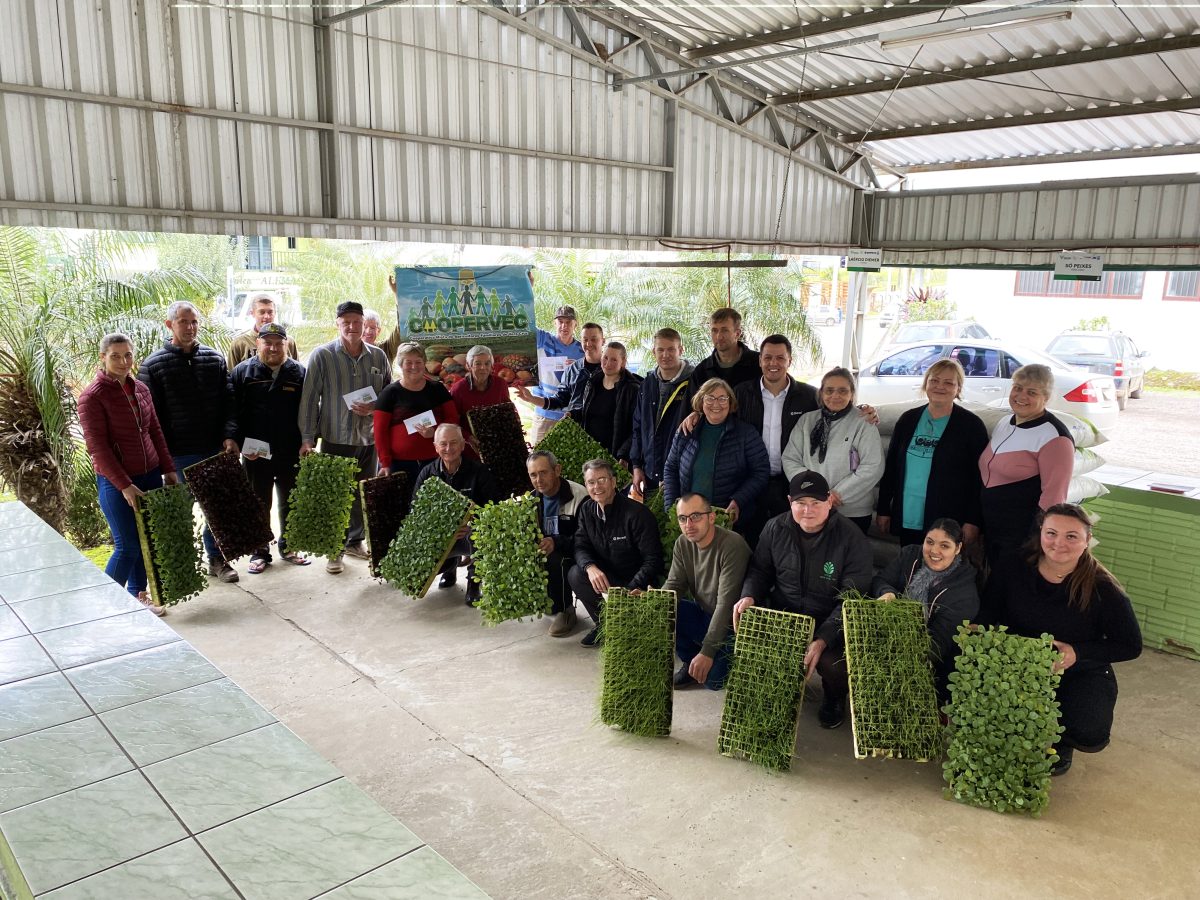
{"x": 1078, "y": 267}
{"x": 864, "y": 260}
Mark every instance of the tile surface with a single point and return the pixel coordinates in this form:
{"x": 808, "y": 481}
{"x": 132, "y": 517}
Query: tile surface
{"x": 56, "y": 760}
{"x": 178, "y": 872}
{"x": 22, "y": 657}
{"x": 88, "y": 642}
{"x": 321, "y": 839}
{"x": 55, "y": 580}
{"x": 39, "y": 556}
{"x": 81, "y": 832}
{"x": 175, "y": 723}
{"x": 14, "y": 513}
{"x": 37, "y": 703}
{"x": 140, "y": 676}
{"x": 73, "y": 607}
{"x": 10, "y": 625}
{"x": 28, "y": 536}
{"x": 418, "y": 875}
{"x": 212, "y": 785}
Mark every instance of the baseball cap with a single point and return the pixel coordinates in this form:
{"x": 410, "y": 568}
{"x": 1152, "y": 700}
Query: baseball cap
{"x": 349, "y": 306}
{"x": 272, "y": 329}
{"x": 808, "y": 484}
{"x": 565, "y": 312}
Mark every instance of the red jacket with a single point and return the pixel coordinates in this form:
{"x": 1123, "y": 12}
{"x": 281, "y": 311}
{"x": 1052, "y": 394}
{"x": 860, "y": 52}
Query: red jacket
{"x": 121, "y": 441}
{"x": 466, "y": 398}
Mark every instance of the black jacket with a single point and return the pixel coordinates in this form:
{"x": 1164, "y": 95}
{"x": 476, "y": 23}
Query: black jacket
{"x": 192, "y": 397}
{"x": 473, "y": 480}
{"x": 809, "y": 576}
{"x": 745, "y": 369}
{"x": 654, "y": 426}
{"x": 268, "y": 408}
{"x": 620, "y": 429}
{"x": 625, "y": 543}
{"x": 801, "y": 398}
{"x": 954, "y": 484}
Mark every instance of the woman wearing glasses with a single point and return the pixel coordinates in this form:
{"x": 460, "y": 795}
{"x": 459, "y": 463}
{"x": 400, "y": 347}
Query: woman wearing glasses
{"x": 723, "y": 459}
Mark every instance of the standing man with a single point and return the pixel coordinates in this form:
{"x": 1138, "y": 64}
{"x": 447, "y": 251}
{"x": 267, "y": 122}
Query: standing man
{"x": 804, "y": 561}
{"x": 664, "y": 399}
{"x": 373, "y": 326}
{"x": 344, "y": 366}
{"x": 707, "y": 569}
{"x": 266, "y": 394}
{"x": 568, "y": 396}
{"x": 731, "y": 359}
{"x": 262, "y": 308}
{"x": 193, "y": 400}
{"x": 555, "y": 353}
{"x": 616, "y": 545}
{"x": 559, "y": 502}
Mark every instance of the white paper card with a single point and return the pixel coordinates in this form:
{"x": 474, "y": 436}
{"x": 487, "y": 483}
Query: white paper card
{"x": 412, "y": 423}
{"x": 362, "y": 395}
{"x": 550, "y": 368}
{"x": 254, "y": 445}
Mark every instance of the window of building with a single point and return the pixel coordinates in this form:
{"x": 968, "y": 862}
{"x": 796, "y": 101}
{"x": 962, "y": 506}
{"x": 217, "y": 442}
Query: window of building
{"x": 1111, "y": 286}
{"x": 258, "y": 253}
{"x": 1182, "y": 286}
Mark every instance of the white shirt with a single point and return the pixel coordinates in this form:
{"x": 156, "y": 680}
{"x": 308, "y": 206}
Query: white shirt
{"x": 772, "y": 429}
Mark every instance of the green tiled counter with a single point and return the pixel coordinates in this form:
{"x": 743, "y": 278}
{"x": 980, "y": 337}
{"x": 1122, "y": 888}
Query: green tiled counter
{"x": 1151, "y": 542}
{"x": 131, "y": 767}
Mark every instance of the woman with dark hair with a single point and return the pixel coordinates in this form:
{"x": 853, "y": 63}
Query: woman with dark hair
{"x": 936, "y": 573}
{"x": 608, "y": 401}
{"x": 1061, "y": 589}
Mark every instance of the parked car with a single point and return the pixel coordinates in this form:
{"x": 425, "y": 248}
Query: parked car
{"x": 824, "y": 314}
{"x": 1106, "y": 352}
{"x": 897, "y": 376}
{"x": 935, "y": 329}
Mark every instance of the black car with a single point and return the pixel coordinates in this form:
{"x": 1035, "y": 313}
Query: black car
{"x": 1106, "y": 353}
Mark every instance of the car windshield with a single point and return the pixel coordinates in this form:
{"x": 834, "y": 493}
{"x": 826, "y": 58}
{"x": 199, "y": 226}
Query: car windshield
{"x": 1081, "y": 345}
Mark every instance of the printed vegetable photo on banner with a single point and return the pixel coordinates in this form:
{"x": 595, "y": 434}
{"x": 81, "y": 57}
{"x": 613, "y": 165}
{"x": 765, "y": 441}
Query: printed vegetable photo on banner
{"x": 450, "y": 309}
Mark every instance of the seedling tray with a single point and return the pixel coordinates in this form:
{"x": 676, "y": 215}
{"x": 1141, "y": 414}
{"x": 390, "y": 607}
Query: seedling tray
{"x": 508, "y": 564}
{"x": 426, "y": 537}
{"x": 385, "y": 503}
{"x": 239, "y": 521}
{"x": 502, "y": 445}
{"x": 639, "y": 657}
{"x": 167, "y": 588}
{"x": 573, "y": 446}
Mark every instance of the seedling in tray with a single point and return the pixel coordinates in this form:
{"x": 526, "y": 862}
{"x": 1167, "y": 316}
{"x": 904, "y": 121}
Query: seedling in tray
{"x": 426, "y": 537}
{"x": 639, "y": 656}
{"x": 170, "y": 544}
{"x": 508, "y": 564}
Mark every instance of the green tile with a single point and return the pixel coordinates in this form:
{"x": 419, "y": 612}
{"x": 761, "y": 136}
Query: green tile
{"x": 37, "y": 703}
{"x": 185, "y": 720}
{"x": 73, "y": 607}
{"x": 77, "y": 645}
{"x": 23, "y": 657}
{"x": 10, "y": 625}
{"x": 180, "y": 871}
{"x": 420, "y": 875}
{"x": 141, "y": 676}
{"x": 41, "y": 556}
{"x": 79, "y": 833}
{"x": 308, "y": 844}
{"x": 56, "y": 760}
{"x": 56, "y": 580}
{"x": 212, "y": 785}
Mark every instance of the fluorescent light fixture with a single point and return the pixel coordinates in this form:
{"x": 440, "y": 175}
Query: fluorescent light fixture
{"x": 985, "y": 23}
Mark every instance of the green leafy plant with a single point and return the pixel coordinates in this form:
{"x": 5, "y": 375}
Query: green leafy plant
{"x": 927, "y": 304}
{"x": 765, "y": 687}
{"x": 573, "y": 447}
{"x": 239, "y": 521}
{"x": 426, "y": 537}
{"x": 502, "y": 445}
{"x": 171, "y": 546}
{"x": 639, "y": 656}
{"x": 319, "y": 505}
{"x": 893, "y": 701}
{"x": 1099, "y": 323}
{"x": 1004, "y": 717}
{"x": 385, "y": 503}
{"x": 509, "y": 566}
{"x": 668, "y": 525}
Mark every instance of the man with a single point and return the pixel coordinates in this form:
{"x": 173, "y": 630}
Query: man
{"x": 805, "y": 559}
{"x": 568, "y": 396}
{"x": 193, "y": 400}
{"x": 373, "y": 325}
{"x": 262, "y": 309}
{"x": 267, "y": 389}
{"x": 344, "y": 366}
{"x": 480, "y": 388}
{"x": 555, "y": 353}
{"x": 708, "y": 566}
{"x": 731, "y": 359}
{"x": 616, "y": 544}
{"x": 559, "y": 502}
{"x": 662, "y": 402}
{"x": 470, "y": 478}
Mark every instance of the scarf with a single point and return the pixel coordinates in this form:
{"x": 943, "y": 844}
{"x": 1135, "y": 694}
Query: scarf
{"x": 820, "y": 434}
{"x": 925, "y": 582}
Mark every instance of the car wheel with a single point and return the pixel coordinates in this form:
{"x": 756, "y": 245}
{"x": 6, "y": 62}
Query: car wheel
{"x": 1121, "y": 400}
{"x": 1137, "y": 395}
{"x": 831, "y": 321}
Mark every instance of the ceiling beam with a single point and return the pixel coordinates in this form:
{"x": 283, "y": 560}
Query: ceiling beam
{"x": 1051, "y": 158}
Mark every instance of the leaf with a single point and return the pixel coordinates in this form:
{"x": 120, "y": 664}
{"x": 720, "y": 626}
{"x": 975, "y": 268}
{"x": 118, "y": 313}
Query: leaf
{"x": 509, "y": 566}
{"x": 426, "y": 537}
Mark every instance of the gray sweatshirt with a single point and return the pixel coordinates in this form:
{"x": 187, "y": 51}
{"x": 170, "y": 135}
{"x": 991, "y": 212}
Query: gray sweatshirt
{"x": 853, "y": 461}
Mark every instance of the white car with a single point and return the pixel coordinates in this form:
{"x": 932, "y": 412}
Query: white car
{"x": 897, "y": 376}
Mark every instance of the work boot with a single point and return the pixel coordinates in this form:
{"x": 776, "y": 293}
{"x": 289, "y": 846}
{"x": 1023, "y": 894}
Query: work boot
{"x": 358, "y": 550}
{"x": 222, "y": 571}
{"x": 564, "y": 623}
{"x": 473, "y": 592}
{"x": 1066, "y": 756}
{"x": 832, "y": 712}
{"x": 449, "y": 573}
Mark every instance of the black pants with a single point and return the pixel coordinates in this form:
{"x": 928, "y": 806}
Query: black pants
{"x": 557, "y": 566}
{"x": 771, "y": 502}
{"x": 1087, "y": 698}
{"x": 366, "y": 469}
{"x": 461, "y": 550}
{"x": 835, "y": 677}
{"x": 278, "y": 474}
{"x": 577, "y": 578}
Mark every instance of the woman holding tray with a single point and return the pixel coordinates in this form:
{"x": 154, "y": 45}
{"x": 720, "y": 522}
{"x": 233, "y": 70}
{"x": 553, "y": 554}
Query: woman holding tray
{"x": 406, "y": 414}
{"x": 1056, "y": 586}
{"x": 129, "y": 454}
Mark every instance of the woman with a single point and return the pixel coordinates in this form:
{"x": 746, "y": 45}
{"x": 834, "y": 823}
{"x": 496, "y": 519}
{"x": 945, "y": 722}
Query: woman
{"x": 937, "y": 574}
{"x": 1027, "y": 466}
{"x": 405, "y": 446}
{"x": 481, "y": 387}
{"x": 932, "y": 469}
{"x": 840, "y": 444}
{"x": 723, "y": 459}
{"x": 129, "y": 454}
{"x": 1061, "y": 589}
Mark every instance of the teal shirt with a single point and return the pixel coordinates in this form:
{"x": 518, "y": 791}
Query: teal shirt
{"x": 706, "y": 460}
{"x": 917, "y": 465}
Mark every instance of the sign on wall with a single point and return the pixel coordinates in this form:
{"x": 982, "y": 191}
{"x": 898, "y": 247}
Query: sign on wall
{"x": 862, "y": 259}
{"x": 1078, "y": 267}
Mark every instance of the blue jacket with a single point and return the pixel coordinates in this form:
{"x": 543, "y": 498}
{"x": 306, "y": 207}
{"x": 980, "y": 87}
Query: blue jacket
{"x": 653, "y": 429}
{"x": 741, "y": 472}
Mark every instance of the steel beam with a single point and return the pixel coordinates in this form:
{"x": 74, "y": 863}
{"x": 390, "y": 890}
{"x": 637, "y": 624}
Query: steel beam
{"x": 719, "y": 97}
{"x": 580, "y": 30}
{"x": 1051, "y": 158}
{"x": 326, "y": 21}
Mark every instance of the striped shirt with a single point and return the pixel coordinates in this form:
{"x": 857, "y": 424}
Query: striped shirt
{"x": 332, "y": 373}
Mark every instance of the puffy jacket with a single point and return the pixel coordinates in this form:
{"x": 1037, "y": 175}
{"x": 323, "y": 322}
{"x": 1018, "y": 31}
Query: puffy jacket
{"x": 192, "y": 396}
{"x": 620, "y": 429}
{"x": 624, "y": 543}
{"x": 571, "y": 498}
{"x": 745, "y": 369}
{"x": 244, "y": 346}
{"x": 809, "y": 576}
{"x": 654, "y": 424}
{"x": 268, "y": 408}
{"x": 122, "y": 433}
{"x": 801, "y": 398}
{"x": 740, "y": 472}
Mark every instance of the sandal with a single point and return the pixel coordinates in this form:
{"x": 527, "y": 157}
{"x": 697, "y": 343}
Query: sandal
{"x": 295, "y": 558}
{"x": 257, "y": 566}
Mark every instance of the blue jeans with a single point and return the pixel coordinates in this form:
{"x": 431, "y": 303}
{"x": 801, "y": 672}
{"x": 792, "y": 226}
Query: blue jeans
{"x": 210, "y": 544}
{"x": 126, "y": 566}
{"x": 691, "y": 625}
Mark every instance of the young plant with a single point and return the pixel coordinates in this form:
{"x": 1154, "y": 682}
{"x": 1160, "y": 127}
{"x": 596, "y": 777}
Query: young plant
{"x": 668, "y": 525}
{"x": 639, "y": 656}
{"x": 509, "y": 566}
{"x": 502, "y": 445}
{"x": 573, "y": 446}
{"x": 765, "y": 687}
{"x": 426, "y": 537}
{"x": 1005, "y": 721}
{"x": 893, "y": 701}
{"x": 170, "y": 543}
{"x": 319, "y": 506}
{"x": 385, "y": 503}
{"x": 239, "y": 521}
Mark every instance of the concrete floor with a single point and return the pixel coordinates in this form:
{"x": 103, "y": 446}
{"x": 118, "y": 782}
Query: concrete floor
{"x": 485, "y": 742}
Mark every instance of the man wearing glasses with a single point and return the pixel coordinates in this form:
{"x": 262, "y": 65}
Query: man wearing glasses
{"x": 616, "y": 545}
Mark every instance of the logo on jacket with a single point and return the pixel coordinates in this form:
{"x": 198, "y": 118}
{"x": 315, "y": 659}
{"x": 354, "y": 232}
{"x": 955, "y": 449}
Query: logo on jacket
{"x": 827, "y": 571}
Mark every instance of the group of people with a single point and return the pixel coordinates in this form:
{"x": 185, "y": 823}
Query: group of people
{"x": 800, "y": 472}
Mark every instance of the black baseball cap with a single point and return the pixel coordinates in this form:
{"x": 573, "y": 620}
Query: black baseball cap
{"x": 808, "y": 484}
{"x": 272, "y": 329}
{"x": 349, "y": 306}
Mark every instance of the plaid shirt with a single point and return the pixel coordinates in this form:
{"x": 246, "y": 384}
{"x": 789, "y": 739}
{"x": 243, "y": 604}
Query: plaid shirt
{"x": 332, "y": 373}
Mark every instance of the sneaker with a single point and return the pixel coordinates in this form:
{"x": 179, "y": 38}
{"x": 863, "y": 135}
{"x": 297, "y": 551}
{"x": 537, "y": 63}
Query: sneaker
{"x": 1066, "y": 755}
{"x": 564, "y": 623}
{"x": 155, "y": 608}
{"x": 683, "y": 678}
{"x": 358, "y": 550}
{"x": 593, "y": 638}
{"x": 832, "y": 712}
{"x": 335, "y": 566}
